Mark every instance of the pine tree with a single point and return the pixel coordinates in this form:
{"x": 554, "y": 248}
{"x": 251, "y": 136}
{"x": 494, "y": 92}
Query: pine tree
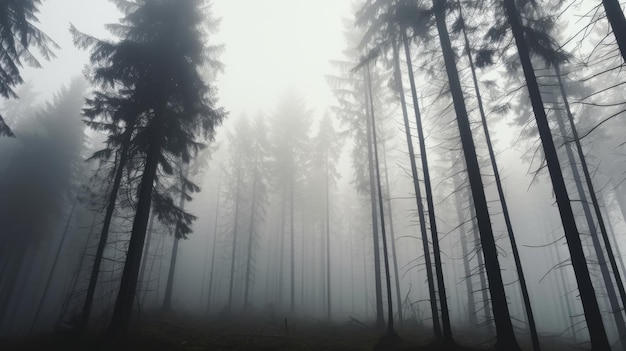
{"x": 159, "y": 59}
{"x": 18, "y": 35}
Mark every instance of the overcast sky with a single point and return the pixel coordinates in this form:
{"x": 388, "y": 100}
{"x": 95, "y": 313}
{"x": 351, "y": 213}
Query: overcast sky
{"x": 271, "y": 46}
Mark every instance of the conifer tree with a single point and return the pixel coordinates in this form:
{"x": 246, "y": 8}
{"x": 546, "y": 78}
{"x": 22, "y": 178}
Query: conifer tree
{"x": 18, "y": 35}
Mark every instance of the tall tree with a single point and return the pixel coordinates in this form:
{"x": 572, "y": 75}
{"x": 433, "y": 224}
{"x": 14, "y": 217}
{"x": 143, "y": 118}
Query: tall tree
{"x": 289, "y": 130}
{"x": 504, "y": 327}
{"x": 258, "y": 169}
{"x": 18, "y": 35}
{"x": 496, "y": 174}
{"x": 326, "y": 152}
{"x": 521, "y": 34}
{"x": 615, "y": 16}
{"x": 162, "y": 49}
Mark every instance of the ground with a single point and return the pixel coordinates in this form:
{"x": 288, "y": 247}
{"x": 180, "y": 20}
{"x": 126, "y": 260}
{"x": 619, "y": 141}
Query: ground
{"x": 160, "y": 333}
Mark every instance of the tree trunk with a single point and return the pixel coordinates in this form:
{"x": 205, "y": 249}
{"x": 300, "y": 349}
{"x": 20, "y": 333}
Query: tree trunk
{"x": 471, "y": 304}
{"x": 380, "y": 319}
{"x": 293, "y": 251}
{"x": 215, "y": 228}
{"x": 443, "y": 300}
{"x": 593, "y": 232}
{"x": 246, "y": 303}
{"x": 505, "y": 209}
{"x": 615, "y": 16}
{"x": 169, "y": 287}
{"x": 393, "y": 238}
{"x": 480, "y": 268}
{"x": 104, "y": 233}
{"x": 126, "y": 295}
{"x": 599, "y": 340}
{"x": 76, "y": 275}
{"x": 234, "y": 249}
{"x": 145, "y": 284}
{"x": 327, "y": 190}
{"x": 504, "y": 327}
{"x": 416, "y": 186}
{"x": 390, "y": 330}
{"x": 597, "y": 210}
{"x": 54, "y": 265}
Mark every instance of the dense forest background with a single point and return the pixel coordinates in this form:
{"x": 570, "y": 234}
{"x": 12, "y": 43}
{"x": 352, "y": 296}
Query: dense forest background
{"x": 280, "y": 174}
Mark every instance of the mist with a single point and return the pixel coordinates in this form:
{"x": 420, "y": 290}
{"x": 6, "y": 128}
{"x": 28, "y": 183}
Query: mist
{"x": 323, "y": 175}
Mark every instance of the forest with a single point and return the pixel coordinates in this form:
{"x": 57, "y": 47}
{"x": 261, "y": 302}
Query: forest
{"x": 312, "y": 175}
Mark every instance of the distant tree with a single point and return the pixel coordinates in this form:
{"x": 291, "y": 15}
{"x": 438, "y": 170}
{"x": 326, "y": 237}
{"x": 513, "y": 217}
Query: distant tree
{"x": 325, "y": 154}
{"x": 289, "y": 142}
{"x": 39, "y": 181}
{"x": 18, "y": 35}
{"x": 258, "y": 169}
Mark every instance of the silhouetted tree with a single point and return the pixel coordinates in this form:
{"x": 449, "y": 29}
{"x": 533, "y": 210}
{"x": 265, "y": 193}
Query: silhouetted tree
{"x": 18, "y": 35}
{"x": 527, "y": 39}
{"x": 159, "y": 58}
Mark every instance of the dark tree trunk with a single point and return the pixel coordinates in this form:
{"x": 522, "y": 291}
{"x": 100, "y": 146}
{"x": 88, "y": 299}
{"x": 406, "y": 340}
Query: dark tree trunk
{"x": 471, "y": 304}
{"x": 126, "y": 296}
{"x": 593, "y": 232}
{"x": 443, "y": 299}
{"x": 390, "y": 330}
{"x": 480, "y": 269}
{"x": 594, "y": 199}
{"x": 392, "y": 237}
{"x": 505, "y": 209}
{"x": 54, "y": 265}
{"x": 616, "y": 18}
{"x": 104, "y": 233}
{"x": 599, "y": 340}
{"x": 169, "y": 287}
{"x": 76, "y": 276}
{"x": 416, "y": 186}
{"x": 380, "y": 319}
{"x": 504, "y": 327}
{"x": 144, "y": 260}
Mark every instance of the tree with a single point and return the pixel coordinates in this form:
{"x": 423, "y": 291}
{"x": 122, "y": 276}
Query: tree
{"x": 326, "y": 152}
{"x": 615, "y": 16}
{"x": 289, "y": 148}
{"x": 18, "y": 34}
{"x": 39, "y": 180}
{"x": 501, "y": 197}
{"x": 258, "y": 169}
{"x": 504, "y": 327}
{"x": 159, "y": 59}
{"x": 521, "y": 34}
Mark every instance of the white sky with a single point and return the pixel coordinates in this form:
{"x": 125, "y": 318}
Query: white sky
{"x": 272, "y": 46}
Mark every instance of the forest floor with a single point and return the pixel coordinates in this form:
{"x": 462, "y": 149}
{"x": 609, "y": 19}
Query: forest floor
{"x": 160, "y": 333}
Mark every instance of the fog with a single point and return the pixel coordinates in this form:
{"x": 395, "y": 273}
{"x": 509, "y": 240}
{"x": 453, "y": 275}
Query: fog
{"x": 296, "y": 174}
